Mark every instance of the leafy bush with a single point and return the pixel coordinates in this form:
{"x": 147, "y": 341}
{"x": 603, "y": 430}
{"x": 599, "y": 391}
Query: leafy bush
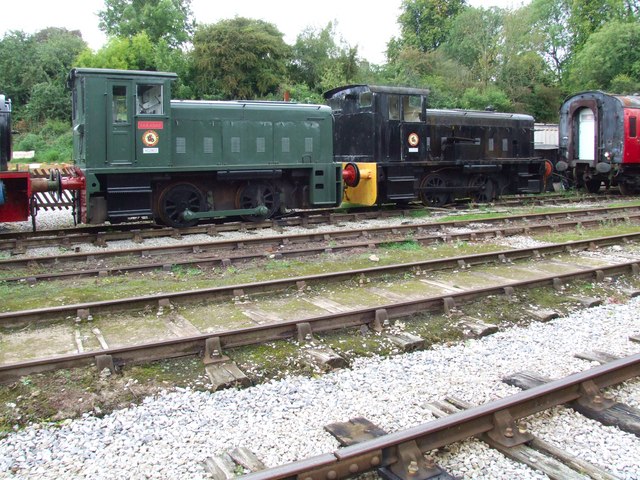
{"x": 52, "y": 142}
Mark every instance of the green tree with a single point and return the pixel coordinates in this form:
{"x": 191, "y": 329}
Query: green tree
{"x": 48, "y": 101}
{"x": 588, "y": 16}
{"x": 18, "y": 70}
{"x": 167, "y": 20}
{"x": 311, "y": 54}
{"x": 608, "y": 54}
{"x": 443, "y": 76}
{"x": 56, "y": 52}
{"x": 492, "y": 97}
{"x": 319, "y": 55}
{"x": 550, "y": 33}
{"x": 239, "y": 58}
{"x": 424, "y": 24}
{"x": 474, "y": 40}
{"x": 27, "y": 61}
{"x": 135, "y": 53}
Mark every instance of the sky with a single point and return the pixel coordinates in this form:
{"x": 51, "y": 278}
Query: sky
{"x": 369, "y": 25}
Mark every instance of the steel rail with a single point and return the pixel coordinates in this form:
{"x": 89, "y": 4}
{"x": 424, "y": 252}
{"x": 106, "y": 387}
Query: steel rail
{"x": 200, "y": 248}
{"x": 194, "y": 345}
{"x": 384, "y": 451}
{"x": 22, "y": 317}
{"x": 138, "y": 232}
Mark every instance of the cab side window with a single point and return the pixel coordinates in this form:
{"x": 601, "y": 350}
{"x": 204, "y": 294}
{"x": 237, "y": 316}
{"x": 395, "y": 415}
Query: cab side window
{"x": 411, "y": 108}
{"x": 394, "y": 107}
{"x": 119, "y": 108}
{"x": 149, "y": 100}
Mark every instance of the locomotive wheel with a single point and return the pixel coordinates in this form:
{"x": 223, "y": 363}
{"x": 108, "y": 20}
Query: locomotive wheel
{"x": 482, "y": 188}
{"x": 177, "y": 198}
{"x": 626, "y": 189}
{"x": 593, "y": 185}
{"x": 430, "y": 198}
{"x": 253, "y": 195}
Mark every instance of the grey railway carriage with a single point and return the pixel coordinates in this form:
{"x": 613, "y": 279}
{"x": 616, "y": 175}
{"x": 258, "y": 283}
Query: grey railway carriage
{"x": 143, "y": 155}
{"x": 599, "y": 140}
{"x": 388, "y": 139}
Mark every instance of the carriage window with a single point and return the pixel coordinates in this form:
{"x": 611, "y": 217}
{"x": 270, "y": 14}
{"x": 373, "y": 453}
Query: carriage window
{"x": 411, "y": 108}
{"x": 633, "y": 127}
{"x": 149, "y": 99}
{"x": 366, "y": 100}
{"x": 394, "y": 107}
{"x": 119, "y": 106}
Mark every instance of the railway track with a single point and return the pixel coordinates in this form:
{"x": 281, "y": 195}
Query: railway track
{"x": 409, "y": 454}
{"x": 17, "y": 242}
{"x": 226, "y": 252}
{"x": 416, "y": 291}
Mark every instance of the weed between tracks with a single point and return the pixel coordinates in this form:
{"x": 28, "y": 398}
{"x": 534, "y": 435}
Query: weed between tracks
{"x": 60, "y": 395}
{"x": 42, "y": 294}
{"x": 57, "y": 396}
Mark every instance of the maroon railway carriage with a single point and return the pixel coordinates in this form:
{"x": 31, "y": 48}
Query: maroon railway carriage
{"x": 599, "y": 140}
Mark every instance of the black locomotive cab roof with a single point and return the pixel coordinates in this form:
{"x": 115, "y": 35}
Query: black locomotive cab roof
{"x": 352, "y": 89}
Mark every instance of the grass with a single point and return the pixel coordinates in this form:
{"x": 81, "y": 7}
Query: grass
{"x": 20, "y": 296}
{"x": 606, "y": 229}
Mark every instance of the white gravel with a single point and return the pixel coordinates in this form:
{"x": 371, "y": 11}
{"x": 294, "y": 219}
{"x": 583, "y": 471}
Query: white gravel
{"x": 281, "y": 421}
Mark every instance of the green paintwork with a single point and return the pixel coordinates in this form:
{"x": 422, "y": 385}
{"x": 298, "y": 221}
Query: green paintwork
{"x": 231, "y": 139}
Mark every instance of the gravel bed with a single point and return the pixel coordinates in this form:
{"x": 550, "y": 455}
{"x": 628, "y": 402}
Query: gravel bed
{"x": 62, "y": 219}
{"x": 168, "y": 436}
{"x": 58, "y": 219}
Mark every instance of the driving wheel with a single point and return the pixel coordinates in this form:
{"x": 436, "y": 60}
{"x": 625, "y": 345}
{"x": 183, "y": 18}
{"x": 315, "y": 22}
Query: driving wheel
{"x": 431, "y": 194}
{"x": 175, "y": 199}
{"x": 253, "y": 195}
{"x": 482, "y": 189}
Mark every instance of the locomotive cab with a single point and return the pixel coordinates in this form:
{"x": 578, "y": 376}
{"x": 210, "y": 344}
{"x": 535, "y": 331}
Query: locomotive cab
{"x": 121, "y": 125}
{"x": 379, "y": 129}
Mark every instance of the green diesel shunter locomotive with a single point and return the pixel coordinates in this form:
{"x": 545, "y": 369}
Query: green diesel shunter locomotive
{"x": 145, "y": 155}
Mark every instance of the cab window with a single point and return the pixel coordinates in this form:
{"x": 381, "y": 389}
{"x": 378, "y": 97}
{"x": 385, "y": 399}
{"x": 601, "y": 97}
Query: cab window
{"x": 149, "y": 99}
{"x": 365, "y": 100}
{"x": 411, "y": 108}
{"x": 119, "y": 108}
{"x": 394, "y": 107}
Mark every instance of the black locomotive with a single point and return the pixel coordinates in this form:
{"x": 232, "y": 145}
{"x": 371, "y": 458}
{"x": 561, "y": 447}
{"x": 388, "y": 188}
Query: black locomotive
{"x": 406, "y": 151}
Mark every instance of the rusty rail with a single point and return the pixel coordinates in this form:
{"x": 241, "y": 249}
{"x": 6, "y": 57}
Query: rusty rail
{"x": 100, "y": 235}
{"x": 200, "y": 248}
{"x": 15, "y": 318}
{"x": 387, "y": 451}
{"x": 195, "y": 345}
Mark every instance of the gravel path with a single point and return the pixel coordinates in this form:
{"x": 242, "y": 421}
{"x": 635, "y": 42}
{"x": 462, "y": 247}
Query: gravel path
{"x": 167, "y": 437}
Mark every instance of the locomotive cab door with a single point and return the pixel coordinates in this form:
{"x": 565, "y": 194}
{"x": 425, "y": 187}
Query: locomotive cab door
{"x": 413, "y": 128}
{"x": 120, "y": 142}
{"x": 152, "y": 126}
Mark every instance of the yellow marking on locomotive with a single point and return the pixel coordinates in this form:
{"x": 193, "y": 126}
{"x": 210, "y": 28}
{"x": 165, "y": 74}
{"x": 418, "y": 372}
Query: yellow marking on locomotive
{"x": 366, "y": 192}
